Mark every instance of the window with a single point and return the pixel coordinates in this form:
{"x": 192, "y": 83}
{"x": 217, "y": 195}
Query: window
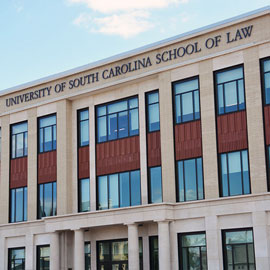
{"x": 47, "y": 200}
{"x": 230, "y": 90}
{"x": 117, "y": 120}
{"x": 47, "y": 133}
{"x": 238, "y": 249}
{"x": 265, "y": 64}
{"x": 186, "y": 100}
{"x": 84, "y": 195}
{"x": 155, "y": 183}
{"x": 16, "y": 258}
{"x": 234, "y": 173}
{"x": 19, "y": 140}
{"x": 18, "y": 208}
{"x": 83, "y": 127}
{"x": 153, "y": 245}
{"x": 190, "y": 180}
{"x": 113, "y": 254}
{"x": 87, "y": 255}
{"x": 119, "y": 190}
{"x": 43, "y": 257}
{"x": 152, "y": 100}
{"x": 192, "y": 251}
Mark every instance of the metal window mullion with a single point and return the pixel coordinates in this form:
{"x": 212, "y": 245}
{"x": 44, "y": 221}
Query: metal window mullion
{"x": 193, "y": 104}
{"x": 196, "y": 175}
{"x": 117, "y": 125}
{"x": 108, "y": 188}
{"x": 200, "y": 258}
{"x": 232, "y": 256}
{"x": 15, "y": 201}
{"x": 242, "y": 176}
{"x": 129, "y": 178}
{"x": 224, "y": 97}
{"x": 118, "y": 177}
{"x": 228, "y": 174}
{"x": 181, "y": 109}
{"x": 43, "y": 129}
{"x": 129, "y": 122}
{"x": 15, "y": 145}
{"x": 247, "y": 255}
{"x": 237, "y": 93}
{"x": 184, "y": 180}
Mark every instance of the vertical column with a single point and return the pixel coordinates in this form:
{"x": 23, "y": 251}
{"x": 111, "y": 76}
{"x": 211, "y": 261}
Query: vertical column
{"x": 208, "y": 130}
{"x": 133, "y": 247}
{"x": 143, "y": 148}
{"x": 254, "y": 121}
{"x": 54, "y": 251}
{"x": 167, "y": 138}
{"x": 213, "y": 243}
{"x": 29, "y": 252}
{"x": 79, "y": 262}
{"x": 32, "y": 165}
{"x": 261, "y": 240}
{"x": 92, "y": 153}
{"x": 164, "y": 245}
{"x": 4, "y": 184}
{"x": 64, "y": 158}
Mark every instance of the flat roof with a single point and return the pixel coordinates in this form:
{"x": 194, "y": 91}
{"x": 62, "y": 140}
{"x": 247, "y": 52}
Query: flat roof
{"x": 121, "y": 56}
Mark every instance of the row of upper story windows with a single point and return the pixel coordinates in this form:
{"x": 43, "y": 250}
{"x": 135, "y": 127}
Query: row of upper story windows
{"x": 120, "y": 119}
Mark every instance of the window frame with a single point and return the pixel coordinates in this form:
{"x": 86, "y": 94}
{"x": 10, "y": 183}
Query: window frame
{"x": 86, "y": 254}
{"x": 9, "y": 256}
{"x": 196, "y": 77}
{"x": 108, "y": 195}
{"x": 80, "y": 197}
{"x": 25, "y": 133}
{"x": 151, "y": 251}
{"x": 79, "y": 127}
{"x": 180, "y": 247}
{"x": 38, "y": 255}
{"x": 220, "y": 173}
{"x": 107, "y": 104}
{"x": 38, "y": 133}
{"x": 147, "y": 109}
{"x": 224, "y": 253}
{"x": 177, "y": 180}
{"x": 262, "y": 60}
{"x": 25, "y": 215}
{"x": 215, "y": 72}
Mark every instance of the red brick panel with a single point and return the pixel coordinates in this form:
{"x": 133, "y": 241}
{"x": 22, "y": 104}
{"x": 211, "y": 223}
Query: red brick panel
{"x": 232, "y": 132}
{"x": 47, "y": 167}
{"x": 118, "y": 156}
{"x": 18, "y": 172}
{"x": 83, "y": 162}
{"x": 267, "y": 124}
{"x": 188, "y": 140}
{"x": 153, "y": 149}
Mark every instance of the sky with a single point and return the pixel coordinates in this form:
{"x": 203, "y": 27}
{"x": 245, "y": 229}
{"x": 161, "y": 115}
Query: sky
{"x": 39, "y": 38}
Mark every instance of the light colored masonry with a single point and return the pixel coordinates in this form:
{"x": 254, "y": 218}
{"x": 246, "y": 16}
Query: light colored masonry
{"x": 198, "y": 53}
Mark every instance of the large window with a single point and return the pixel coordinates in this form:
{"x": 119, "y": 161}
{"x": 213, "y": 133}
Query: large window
{"x": 238, "y": 249}
{"x": 153, "y": 250}
{"x": 16, "y": 258}
{"x": 83, "y": 117}
{"x": 192, "y": 251}
{"x": 117, "y": 120}
{"x": 19, "y": 140}
{"x": 266, "y": 79}
{"x": 87, "y": 255}
{"x": 155, "y": 185}
{"x": 43, "y": 257}
{"x": 230, "y": 90}
{"x": 113, "y": 254}
{"x": 152, "y": 102}
{"x": 119, "y": 190}
{"x": 84, "y": 195}
{"x": 190, "y": 180}
{"x": 47, "y": 200}
{"x": 234, "y": 173}
{"x": 18, "y": 204}
{"x": 186, "y": 100}
{"x": 47, "y": 133}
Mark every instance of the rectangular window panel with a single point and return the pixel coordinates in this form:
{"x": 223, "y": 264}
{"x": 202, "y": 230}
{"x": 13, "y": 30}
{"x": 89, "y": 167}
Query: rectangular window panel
{"x": 230, "y": 90}
{"x": 153, "y": 244}
{"x": 18, "y": 207}
{"x": 153, "y": 122}
{"x": 238, "y": 249}
{"x": 235, "y": 173}
{"x": 155, "y": 185}
{"x": 16, "y": 258}
{"x": 87, "y": 255}
{"x": 119, "y": 190}
{"x": 186, "y": 100}
{"x": 265, "y": 70}
{"x": 84, "y": 195}
{"x": 43, "y": 257}
{"x": 83, "y": 127}
{"x": 47, "y": 133}
{"x": 117, "y": 120}
{"x": 19, "y": 140}
{"x": 190, "y": 180}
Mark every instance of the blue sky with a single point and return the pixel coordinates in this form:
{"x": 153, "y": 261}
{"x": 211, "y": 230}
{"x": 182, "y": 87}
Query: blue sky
{"x": 43, "y": 37}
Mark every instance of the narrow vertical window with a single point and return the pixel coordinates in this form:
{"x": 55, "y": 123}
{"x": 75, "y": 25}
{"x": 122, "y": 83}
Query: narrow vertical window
{"x": 266, "y": 80}
{"x": 192, "y": 251}
{"x": 43, "y": 257}
{"x": 84, "y": 195}
{"x": 87, "y": 255}
{"x": 19, "y": 140}
{"x": 155, "y": 185}
{"x": 153, "y": 245}
{"x": 18, "y": 204}
{"x": 238, "y": 249}
{"x": 16, "y": 258}
{"x": 153, "y": 123}
{"x": 47, "y": 133}
{"x": 83, "y": 127}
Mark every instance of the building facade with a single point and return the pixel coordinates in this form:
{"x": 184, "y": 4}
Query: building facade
{"x": 154, "y": 159}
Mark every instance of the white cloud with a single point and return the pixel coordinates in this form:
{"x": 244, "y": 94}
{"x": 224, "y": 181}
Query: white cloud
{"x": 109, "y": 6}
